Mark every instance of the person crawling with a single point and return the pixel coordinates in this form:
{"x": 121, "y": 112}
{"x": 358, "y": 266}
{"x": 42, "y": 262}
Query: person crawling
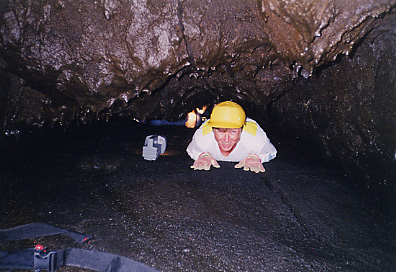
{"x": 229, "y": 136}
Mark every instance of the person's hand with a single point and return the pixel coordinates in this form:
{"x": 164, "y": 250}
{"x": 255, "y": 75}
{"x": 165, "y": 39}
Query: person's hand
{"x": 252, "y": 162}
{"x": 204, "y": 162}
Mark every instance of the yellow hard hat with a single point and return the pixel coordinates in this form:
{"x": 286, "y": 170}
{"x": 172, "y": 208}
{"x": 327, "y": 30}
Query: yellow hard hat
{"x": 227, "y": 115}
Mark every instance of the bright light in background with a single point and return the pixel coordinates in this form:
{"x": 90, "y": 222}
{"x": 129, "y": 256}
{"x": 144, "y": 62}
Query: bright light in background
{"x": 191, "y": 119}
{"x": 201, "y": 111}
{"x": 194, "y": 116}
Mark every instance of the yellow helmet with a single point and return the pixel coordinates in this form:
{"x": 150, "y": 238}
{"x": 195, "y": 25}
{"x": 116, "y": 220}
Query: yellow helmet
{"x": 227, "y": 115}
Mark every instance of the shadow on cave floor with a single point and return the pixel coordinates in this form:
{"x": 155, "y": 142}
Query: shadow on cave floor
{"x": 300, "y": 215}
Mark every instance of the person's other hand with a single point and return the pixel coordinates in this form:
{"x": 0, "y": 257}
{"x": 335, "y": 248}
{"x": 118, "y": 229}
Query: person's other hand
{"x": 204, "y": 162}
{"x": 252, "y": 162}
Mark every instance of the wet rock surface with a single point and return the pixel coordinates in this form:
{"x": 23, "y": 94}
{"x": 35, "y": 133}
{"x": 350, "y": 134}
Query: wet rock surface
{"x": 87, "y": 60}
{"x": 349, "y": 110}
{"x": 300, "y": 215}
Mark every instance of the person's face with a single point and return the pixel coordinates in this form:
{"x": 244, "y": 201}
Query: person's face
{"x": 227, "y": 138}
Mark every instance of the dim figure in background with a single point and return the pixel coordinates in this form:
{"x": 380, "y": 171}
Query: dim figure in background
{"x": 229, "y": 136}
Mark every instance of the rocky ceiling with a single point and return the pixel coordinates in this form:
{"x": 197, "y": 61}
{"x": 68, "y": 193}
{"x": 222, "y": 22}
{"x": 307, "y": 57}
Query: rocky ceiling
{"x": 322, "y": 67}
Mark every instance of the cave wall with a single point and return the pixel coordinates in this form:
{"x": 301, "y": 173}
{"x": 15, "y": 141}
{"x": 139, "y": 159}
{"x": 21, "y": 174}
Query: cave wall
{"x": 323, "y": 68}
{"x": 348, "y": 108}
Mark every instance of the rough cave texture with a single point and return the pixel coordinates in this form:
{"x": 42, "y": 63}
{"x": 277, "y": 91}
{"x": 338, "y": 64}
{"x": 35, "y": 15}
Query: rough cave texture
{"x": 349, "y": 107}
{"x": 65, "y": 61}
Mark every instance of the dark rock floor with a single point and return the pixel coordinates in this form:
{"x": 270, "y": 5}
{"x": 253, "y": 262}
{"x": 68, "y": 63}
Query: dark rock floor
{"x": 300, "y": 215}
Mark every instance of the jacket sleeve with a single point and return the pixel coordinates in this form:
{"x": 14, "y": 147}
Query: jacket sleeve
{"x": 268, "y": 152}
{"x": 261, "y": 145}
{"x": 193, "y": 149}
{"x": 199, "y": 143}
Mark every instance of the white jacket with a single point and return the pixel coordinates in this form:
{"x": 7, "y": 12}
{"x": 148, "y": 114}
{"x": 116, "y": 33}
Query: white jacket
{"x": 253, "y": 140}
